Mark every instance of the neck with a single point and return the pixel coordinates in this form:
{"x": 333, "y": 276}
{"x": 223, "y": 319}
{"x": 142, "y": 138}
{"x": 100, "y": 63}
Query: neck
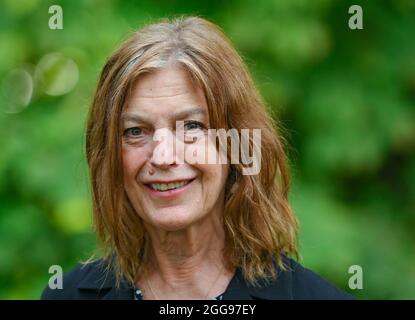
{"x": 187, "y": 262}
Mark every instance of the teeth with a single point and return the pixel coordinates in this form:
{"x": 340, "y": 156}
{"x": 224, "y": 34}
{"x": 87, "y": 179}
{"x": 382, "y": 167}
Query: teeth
{"x": 168, "y": 186}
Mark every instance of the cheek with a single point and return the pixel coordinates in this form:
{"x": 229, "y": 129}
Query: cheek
{"x": 211, "y": 163}
{"x": 203, "y": 152}
{"x": 132, "y": 160}
{"x": 214, "y": 176}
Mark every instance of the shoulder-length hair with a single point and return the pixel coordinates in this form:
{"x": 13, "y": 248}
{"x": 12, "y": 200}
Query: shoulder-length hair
{"x": 259, "y": 224}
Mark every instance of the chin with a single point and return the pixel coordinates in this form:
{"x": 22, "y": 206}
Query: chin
{"x": 173, "y": 219}
{"x": 171, "y": 225}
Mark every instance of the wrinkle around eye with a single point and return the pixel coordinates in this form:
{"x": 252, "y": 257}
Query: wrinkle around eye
{"x": 136, "y": 140}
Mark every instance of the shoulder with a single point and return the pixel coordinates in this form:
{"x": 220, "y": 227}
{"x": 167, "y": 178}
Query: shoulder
{"x": 80, "y": 282}
{"x": 307, "y": 284}
{"x": 298, "y": 283}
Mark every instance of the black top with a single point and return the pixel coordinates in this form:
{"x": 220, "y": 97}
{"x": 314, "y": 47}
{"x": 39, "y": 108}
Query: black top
{"x": 139, "y": 296}
{"x": 90, "y": 281}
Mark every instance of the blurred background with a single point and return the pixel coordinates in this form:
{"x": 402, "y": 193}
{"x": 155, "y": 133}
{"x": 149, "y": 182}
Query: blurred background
{"x": 346, "y": 99}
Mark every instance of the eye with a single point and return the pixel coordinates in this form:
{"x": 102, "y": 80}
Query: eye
{"x": 193, "y": 125}
{"x": 133, "y": 132}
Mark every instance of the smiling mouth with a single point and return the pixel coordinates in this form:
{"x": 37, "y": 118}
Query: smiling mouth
{"x": 168, "y": 186}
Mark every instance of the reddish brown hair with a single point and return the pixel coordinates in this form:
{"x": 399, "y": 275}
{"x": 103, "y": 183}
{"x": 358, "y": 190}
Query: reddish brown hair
{"x": 258, "y": 221}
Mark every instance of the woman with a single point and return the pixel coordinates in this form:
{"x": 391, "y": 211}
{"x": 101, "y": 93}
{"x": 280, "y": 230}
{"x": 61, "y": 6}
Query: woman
{"x": 173, "y": 225}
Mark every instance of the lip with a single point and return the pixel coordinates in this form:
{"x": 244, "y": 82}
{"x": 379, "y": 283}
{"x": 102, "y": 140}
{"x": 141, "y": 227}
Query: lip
{"x": 168, "y": 193}
{"x": 168, "y": 181}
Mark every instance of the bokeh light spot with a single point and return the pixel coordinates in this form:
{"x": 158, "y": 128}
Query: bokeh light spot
{"x": 16, "y": 90}
{"x": 56, "y": 74}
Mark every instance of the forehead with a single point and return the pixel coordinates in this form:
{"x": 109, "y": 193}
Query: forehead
{"x": 165, "y": 91}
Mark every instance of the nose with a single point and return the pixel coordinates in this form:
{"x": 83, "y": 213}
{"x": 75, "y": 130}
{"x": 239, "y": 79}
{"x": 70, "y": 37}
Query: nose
{"x": 164, "y": 154}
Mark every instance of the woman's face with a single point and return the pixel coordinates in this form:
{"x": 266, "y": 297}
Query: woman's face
{"x": 166, "y": 189}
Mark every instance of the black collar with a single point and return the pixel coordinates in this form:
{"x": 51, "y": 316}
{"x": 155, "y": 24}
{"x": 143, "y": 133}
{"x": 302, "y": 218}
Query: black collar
{"x": 96, "y": 278}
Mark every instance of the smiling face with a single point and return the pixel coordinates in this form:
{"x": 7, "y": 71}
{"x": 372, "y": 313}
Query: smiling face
{"x": 167, "y": 191}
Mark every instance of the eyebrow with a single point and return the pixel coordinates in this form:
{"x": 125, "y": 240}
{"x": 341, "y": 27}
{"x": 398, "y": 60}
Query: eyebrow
{"x": 136, "y": 117}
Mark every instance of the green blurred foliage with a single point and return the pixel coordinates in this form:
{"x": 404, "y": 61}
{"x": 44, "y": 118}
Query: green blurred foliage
{"x": 345, "y": 99}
